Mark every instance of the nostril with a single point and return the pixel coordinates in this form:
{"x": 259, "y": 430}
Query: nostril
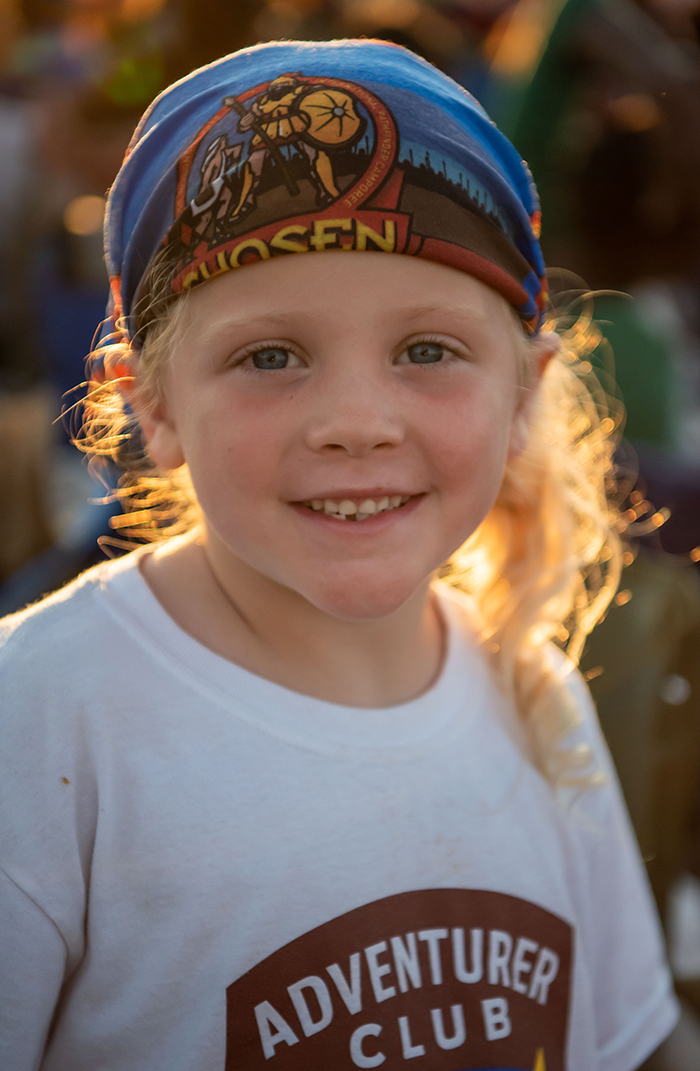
{"x": 357, "y": 449}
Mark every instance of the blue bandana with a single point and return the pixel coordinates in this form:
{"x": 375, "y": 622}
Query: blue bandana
{"x": 299, "y": 146}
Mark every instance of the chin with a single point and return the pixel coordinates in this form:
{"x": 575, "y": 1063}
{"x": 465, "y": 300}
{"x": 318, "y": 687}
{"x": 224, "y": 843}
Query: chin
{"x": 357, "y": 599}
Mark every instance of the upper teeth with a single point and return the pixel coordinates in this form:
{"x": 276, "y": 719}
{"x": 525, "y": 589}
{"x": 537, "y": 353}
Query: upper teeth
{"x": 359, "y": 510}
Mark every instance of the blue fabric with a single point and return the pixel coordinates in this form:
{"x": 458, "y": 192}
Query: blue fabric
{"x": 361, "y": 144}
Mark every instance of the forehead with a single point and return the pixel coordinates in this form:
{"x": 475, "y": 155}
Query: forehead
{"x": 360, "y": 288}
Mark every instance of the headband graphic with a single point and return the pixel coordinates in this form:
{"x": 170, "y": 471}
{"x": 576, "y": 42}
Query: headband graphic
{"x": 296, "y": 147}
{"x": 302, "y": 163}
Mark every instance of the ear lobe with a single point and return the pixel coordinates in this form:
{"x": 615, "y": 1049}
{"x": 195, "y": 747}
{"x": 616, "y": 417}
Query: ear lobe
{"x": 159, "y": 433}
{"x": 520, "y": 424}
{"x": 543, "y": 348}
{"x": 163, "y": 443}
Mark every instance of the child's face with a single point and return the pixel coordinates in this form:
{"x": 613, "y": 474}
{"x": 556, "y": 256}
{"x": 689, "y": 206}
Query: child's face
{"x": 383, "y": 377}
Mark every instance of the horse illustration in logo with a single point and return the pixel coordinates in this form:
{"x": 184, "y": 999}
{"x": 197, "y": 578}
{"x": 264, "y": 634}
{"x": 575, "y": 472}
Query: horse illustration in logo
{"x": 293, "y": 116}
{"x": 213, "y": 198}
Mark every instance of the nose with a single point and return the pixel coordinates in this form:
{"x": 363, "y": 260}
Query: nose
{"x": 355, "y": 412}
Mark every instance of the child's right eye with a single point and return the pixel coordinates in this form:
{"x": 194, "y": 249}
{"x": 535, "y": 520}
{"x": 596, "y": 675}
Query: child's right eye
{"x": 425, "y": 352}
{"x": 271, "y": 357}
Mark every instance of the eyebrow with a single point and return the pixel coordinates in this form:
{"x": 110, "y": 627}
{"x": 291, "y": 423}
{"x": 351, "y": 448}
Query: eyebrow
{"x": 465, "y": 312}
{"x": 283, "y": 320}
{"x": 278, "y": 319}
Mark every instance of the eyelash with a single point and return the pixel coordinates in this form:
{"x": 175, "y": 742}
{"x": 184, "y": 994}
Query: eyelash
{"x": 260, "y": 348}
{"x": 435, "y": 340}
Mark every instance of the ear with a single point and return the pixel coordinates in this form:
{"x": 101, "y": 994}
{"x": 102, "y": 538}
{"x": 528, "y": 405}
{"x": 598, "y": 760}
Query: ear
{"x": 159, "y": 432}
{"x": 542, "y": 348}
{"x": 540, "y": 352}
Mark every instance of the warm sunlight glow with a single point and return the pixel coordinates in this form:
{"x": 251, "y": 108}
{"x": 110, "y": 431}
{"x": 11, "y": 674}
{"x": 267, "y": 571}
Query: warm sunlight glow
{"x": 84, "y": 215}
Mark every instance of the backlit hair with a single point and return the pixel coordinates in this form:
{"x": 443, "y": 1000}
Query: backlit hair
{"x": 545, "y": 563}
{"x": 542, "y": 567}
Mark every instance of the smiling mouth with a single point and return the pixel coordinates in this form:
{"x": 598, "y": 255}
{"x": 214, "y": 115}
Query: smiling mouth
{"x": 348, "y": 509}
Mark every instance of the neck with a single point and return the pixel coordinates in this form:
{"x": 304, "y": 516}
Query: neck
{"x": 276, "y": 633}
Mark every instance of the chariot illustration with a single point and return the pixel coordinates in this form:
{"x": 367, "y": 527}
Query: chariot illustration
{"x": 315, "y": 119}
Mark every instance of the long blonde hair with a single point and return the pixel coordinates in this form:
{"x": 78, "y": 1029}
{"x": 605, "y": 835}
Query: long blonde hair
{"x": 545, "y": 563}
{"x": 543, "y": 566}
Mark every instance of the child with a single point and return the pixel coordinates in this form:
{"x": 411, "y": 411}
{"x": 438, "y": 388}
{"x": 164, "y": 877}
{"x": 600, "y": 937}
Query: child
{"x": 274, "y": 795}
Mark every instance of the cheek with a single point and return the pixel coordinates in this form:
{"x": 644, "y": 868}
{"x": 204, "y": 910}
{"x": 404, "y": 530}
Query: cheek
{"x": 233, "y": 448}
{"x": 470, "y": 436}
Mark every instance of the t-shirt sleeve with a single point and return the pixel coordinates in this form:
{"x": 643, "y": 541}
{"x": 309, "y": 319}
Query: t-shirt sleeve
{"x": 48, "y": 806}
{"x": 634, "y": 1003}
{"x": 32, "y": 964}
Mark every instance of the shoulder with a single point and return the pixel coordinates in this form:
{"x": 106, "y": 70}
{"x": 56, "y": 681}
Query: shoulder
{"x": 62, "y": 674}
{"x": 53, "y": 619}
{"x": 582, "y": 744}
{"x": 618, "y": 926}
{"x": 60, "y": 632}
{"x": 570, "y": 720}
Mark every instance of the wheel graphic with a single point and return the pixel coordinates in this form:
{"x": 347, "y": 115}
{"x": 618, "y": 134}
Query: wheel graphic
{"x": 333, "y": 120}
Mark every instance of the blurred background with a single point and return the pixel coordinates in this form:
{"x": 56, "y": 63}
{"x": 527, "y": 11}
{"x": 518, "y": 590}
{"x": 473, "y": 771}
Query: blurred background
{"x": 602, "y": 98}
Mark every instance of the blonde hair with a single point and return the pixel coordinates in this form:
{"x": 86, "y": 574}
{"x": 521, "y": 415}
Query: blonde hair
{"x": 545, "y": 563}
{"x": 543, "y": 566}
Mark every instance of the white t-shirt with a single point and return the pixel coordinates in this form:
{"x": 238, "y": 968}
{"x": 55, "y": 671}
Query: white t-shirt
{"x": 203, "y": 871}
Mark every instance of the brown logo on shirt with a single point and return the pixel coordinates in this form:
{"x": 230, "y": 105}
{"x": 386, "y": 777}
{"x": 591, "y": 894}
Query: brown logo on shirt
{"x": 449, "y": 979}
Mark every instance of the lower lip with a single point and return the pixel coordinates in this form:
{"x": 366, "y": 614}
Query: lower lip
{"x": 372, "y": 525}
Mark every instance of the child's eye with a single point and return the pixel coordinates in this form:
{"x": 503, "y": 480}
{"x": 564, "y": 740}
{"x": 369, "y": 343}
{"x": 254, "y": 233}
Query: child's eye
{"x": 425, "y": 352}
{"x": 271, "y": 357}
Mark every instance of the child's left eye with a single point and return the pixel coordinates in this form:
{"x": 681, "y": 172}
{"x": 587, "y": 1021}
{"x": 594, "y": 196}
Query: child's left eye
{"x": 271, "y": 357}
{"x": 425, "y": 352}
